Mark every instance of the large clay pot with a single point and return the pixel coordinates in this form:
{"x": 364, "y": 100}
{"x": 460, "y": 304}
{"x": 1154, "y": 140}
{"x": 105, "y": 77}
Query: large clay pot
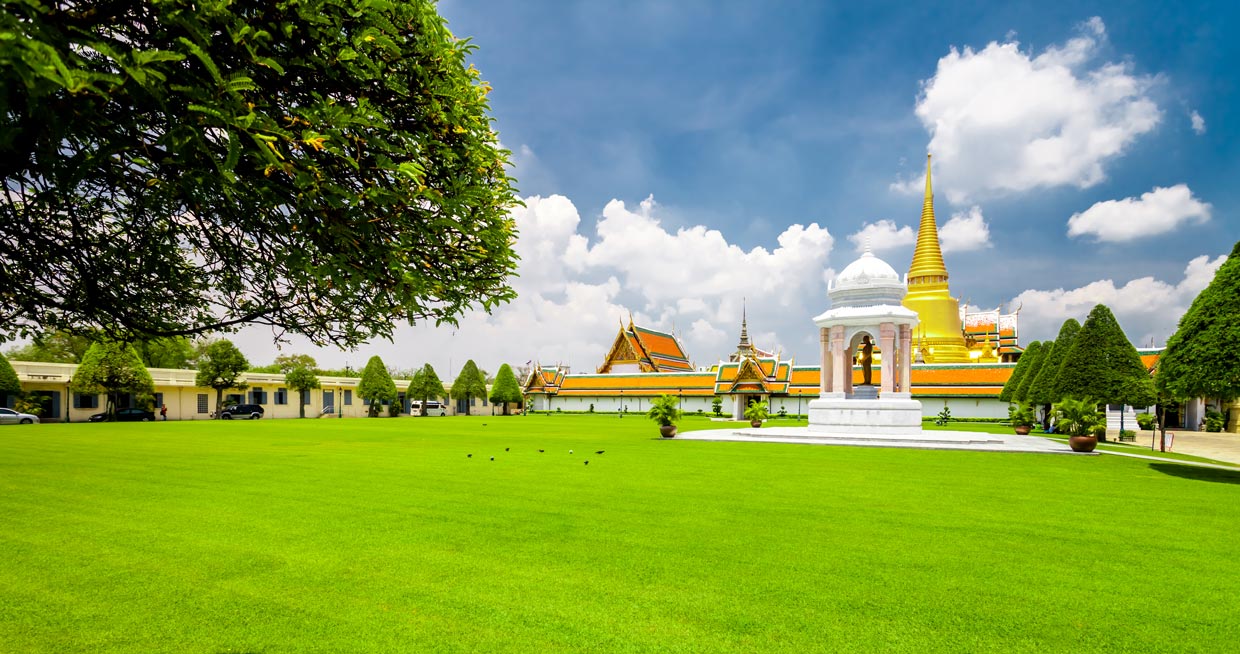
{"x": 1023, "y": 430}
{"x": 755, "y": 423}
{"x": 667, "y": 431}
{"x": 1083, "y": 443}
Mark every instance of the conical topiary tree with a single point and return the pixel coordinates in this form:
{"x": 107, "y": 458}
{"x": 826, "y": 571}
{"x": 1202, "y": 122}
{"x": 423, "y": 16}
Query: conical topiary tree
{"x": 1202, "y": 358}
{"x": 9, "y": 383}
{"x": 425, "y": 385}
{"x": 1045, "y": 388}
{"x": 1018, "y": 373}
{"x": 376, "y": 385}
{"x": 505, "y": 389}
{"x": 1035, "y": 364}
{"x": 1103, "y": 364}
{"x": 469, "y": 384}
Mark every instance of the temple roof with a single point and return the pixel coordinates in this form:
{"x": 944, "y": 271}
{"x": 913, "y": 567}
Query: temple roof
{"x": 928, "y": 256}
{"x": 647, "y": 349}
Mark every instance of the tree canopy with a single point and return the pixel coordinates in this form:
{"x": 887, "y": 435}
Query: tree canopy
{"x": 175, "y": 352}
{"x": 9, "y": 383}
{"x": 220, "y": 367}
{"x": 1045, "y": 388}
{"x": 376, "y": 385}
{"x": 1031, "y": 373}
{"x": 505, "y": 389}
{"x": 1202, "y": 358}
{"x": 469, "y": 383}
{"x": 112, "y": 368}
{"x": 52, "y": 347}
{"x": 301, "y": 378}
{"x": 1018, "y": 373}
{"x": 1103, "y": 364}
{"x": 176, "y": 167}
{"x": 425, "y": 385}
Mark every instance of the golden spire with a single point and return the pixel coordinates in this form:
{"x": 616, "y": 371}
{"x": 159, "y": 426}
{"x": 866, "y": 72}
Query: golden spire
{"x": 927, "y": 258}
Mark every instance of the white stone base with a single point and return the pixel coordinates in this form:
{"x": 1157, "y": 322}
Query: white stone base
{"x": 889, "y": 415}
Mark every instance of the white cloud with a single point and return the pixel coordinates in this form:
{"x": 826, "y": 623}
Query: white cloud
{"x": 1005, "y": 120}
{"x": 574, "y": 291}
{"x": 1157, "y": 212}
{"x": 1199, "y": 123}
{"x": 966, "y": 231}
{"x": 1146, "y": 308}
{"x": 883, "y": 235}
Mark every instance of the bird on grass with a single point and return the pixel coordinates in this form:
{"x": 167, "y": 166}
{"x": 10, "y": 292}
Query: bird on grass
{"x": 587, "y": 463}
{"x": 492, "y": 458}
{"x": 570, "y": 451}
{"x": 599, "y": 451}
{"x": 505, "y": 449}
{"x": 540, "y": 451}
{"x": 469, "y": 456}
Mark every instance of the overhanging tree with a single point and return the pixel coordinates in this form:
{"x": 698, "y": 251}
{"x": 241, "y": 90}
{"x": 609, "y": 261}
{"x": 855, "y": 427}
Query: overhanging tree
{"x": 112, "y": 368}
{"x": 1103, "y": 364}
{"x": 376, "y": 385}
{"x": 221, "y": 367}
{"x": 1035, "y": 364}
{"x": 1018, "y": 373}
{"x": 469, "y": 384}
{"x": 168, "y": 352}
{"x": 1202, "y": 358}
{"x": 426, "y": 385}
{"x": 175, "y": 167}
{"x": 52, "y": 347}
{"x": 1045, "y": 388}
{"x": 9, "y": 383}
{"x": 505, "y": 388}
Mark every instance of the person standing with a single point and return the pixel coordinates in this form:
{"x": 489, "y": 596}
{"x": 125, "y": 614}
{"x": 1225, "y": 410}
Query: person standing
{"x": 163, "y": 412}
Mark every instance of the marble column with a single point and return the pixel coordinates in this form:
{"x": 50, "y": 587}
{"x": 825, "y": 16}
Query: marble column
{"x": 825, "y": 380}
{"x": 841, "y": 363}
{"x": 906, "y": 357}
{"x": 887, "y": 344}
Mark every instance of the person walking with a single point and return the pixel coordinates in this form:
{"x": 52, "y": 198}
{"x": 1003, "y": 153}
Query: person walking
{"x": 163, "y": 412}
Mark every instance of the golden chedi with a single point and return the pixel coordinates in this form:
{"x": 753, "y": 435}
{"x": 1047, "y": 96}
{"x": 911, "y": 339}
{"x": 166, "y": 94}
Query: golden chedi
{"x": 940, "y": 336}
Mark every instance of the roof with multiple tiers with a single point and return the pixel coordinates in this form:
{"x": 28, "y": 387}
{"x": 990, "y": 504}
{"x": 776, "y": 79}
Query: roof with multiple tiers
{"x": 649, "y": 350}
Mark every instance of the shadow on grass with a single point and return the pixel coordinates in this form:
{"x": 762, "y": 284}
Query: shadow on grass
{"x": 1198, "y": 473}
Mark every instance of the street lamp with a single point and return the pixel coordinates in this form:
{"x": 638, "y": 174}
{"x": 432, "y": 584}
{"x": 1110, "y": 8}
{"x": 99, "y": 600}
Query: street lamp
{"x": 621, "y": 409}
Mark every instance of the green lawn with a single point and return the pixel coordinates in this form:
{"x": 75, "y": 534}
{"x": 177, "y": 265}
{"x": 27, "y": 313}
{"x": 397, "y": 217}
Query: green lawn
{"x": 382, "y": 536}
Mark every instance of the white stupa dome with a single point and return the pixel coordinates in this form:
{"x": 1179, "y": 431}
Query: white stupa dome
{"x": 866, "y": 282}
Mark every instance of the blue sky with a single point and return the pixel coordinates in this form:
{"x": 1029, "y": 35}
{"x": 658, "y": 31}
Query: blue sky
{"x": 721, "y": 126}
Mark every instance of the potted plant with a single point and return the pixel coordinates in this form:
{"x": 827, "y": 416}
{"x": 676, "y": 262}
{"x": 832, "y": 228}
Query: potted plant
{"x": 665, "y": 410}
{"x": 1082, "y": 421}
{"x": 1022, "y": 417}
{"x": 757, "y": 412}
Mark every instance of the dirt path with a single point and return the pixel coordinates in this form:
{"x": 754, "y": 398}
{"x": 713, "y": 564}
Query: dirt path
{"x": 1221, "y": 446}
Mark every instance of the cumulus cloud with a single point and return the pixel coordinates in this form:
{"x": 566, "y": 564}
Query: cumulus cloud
{"x": 1005, "y": 120}
{"x": 1199, "y": 123}
{"x": 1157, "y": 212}
{"x": 1146, "y": 308}
{"x": 574, "y": 290}
{"x": 965, "y": 231}
{"x": 883, "y": 235}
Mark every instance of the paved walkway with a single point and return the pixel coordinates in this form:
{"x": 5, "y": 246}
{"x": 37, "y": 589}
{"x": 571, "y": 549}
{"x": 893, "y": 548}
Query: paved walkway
{"x": 1221, "y": 446}
{"x": 926, "y": 440}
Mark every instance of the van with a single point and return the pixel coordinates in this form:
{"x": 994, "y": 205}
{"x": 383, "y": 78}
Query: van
{"x": 415, "y": 407}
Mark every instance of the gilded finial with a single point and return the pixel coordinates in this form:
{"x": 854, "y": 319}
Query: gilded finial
{"x": 929, "y": 193}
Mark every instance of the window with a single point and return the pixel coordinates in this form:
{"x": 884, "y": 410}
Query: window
{"x": 305, "y": 397}
{"x": 473, "y": 401}
{"x": 202, "y": 403}
{"x": 84, "y": 401}
{"x": 159, "y": 401}
{"x": 281, "y": 396}
{"x": 234, "y": 398}
{"x": 329, "y": 399}
{"x": 258, "y": 396}
{"x": 348, "y": 398}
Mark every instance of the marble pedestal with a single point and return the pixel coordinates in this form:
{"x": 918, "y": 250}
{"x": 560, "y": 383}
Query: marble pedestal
{"x": 894, "y": 413}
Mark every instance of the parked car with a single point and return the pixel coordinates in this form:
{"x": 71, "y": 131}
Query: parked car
{"x": 126, "y": 415}
{"x": 415, "y": 407}
{"x": 242, "y": 412}
{"x": 11, "y": 417}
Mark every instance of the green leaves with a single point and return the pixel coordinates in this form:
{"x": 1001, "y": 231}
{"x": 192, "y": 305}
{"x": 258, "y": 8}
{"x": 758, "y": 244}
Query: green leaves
{"x": 1103, "y": 364}
{"x": 1202, "y": 358}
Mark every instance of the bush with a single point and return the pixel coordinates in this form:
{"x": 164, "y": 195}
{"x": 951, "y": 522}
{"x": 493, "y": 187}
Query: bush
{"x": 393, "y": 409}
{"x": 1146, "y": 421}
{"x": 664, "y": 410}
{"x": 716, "y": 405}
{"x": 944, "y": 417}
{"x": 1021, "y": 415}
{"x": 783, "y": 412}
{"x": 1214, "y": 420}
{"x": 1080, "y": 418}
{"x": 757, "y": 412}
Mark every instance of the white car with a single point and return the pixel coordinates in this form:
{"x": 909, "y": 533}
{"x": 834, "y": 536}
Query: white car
{"x": 11, "y": 417}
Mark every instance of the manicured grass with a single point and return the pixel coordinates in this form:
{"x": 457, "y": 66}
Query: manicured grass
{"x": 381, "y": 536}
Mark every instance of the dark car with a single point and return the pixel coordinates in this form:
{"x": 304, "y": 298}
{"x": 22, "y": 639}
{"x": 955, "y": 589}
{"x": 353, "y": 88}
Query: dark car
{"x": 242, "y": 412}
{"x": 126, "y": 415}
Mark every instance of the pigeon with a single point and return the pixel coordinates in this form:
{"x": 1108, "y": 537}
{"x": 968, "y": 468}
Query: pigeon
{"x": 540, "y": 451}
{"x": 587, "y": 463}
{"x": 599, "y": 451}
{"x": 469, "y": 456}
{"x": 505, "y": 449}
{"x": 570, "y": 451}
{"x": 484, "y": 424}
{"x": 492, "y": 458}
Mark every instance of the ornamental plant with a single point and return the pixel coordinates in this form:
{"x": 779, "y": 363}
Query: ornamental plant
{"x": 1079, "y": 417}
{"x": 1021, "y": 415}
{"x": 664, "y": 410}
{"x": 757, "y": 412}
